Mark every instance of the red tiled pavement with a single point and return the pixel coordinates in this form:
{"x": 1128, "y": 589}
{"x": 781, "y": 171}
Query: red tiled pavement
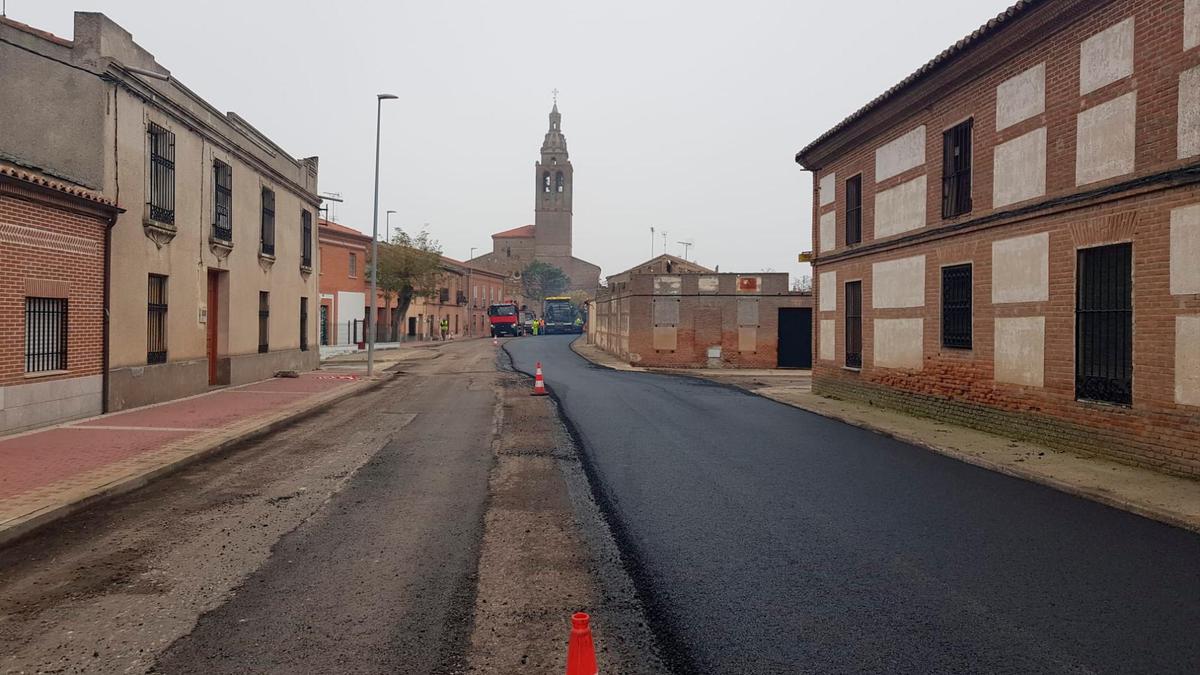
{"x": 38, "y": 459}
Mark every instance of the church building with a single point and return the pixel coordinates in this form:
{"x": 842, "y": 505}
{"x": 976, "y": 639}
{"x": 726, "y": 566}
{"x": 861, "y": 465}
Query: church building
{"x": 548, "y": 239}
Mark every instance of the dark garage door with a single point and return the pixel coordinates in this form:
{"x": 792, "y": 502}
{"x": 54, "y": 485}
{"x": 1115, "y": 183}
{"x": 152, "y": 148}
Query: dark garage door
{"x": 795, "y": 337}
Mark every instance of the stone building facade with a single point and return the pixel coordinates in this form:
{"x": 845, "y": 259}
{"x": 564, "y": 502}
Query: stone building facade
{"x": 53, "y": 247}
{"x": 1010, "y": 237}
{"x": 668, "y": 312}
{"x": 212, "y": 278}
{"x": 549, "y": 238}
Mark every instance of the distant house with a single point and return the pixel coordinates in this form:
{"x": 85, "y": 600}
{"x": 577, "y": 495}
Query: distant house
{"x": 344, "y": 284}
{"x": 669, "y": 312}
{"x": 1009, "y": 238}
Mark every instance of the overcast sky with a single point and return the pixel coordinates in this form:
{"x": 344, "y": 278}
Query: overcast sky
{"x": 682, "y": 115}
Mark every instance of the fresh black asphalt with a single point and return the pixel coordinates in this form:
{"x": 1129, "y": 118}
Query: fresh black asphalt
{"x": 766, "y": 539}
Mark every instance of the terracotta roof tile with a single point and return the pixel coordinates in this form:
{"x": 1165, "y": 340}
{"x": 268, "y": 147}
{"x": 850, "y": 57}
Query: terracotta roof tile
{"x": 61, "y": 186}
{"x": 26, "y": 28}
{"x": 516, "y": 233}
{"x": 342, "y": 229}
{"x": 978, "y": 35}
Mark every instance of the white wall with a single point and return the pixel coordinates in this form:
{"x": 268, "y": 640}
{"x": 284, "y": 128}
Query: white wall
{"x": 900, "y": 155}
{"x": 1104, "y": 143}
{"x": 901, "y": 208}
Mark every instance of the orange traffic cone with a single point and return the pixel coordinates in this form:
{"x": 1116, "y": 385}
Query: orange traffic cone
{"x": 495, "y": 340}
{"x": 581, "y": 653}
{"x": 539, "y": 384}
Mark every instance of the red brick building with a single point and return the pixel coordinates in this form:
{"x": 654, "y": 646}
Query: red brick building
{"x": 1010, "y": 237}
{"x": 344, "y": 283}
{"x": 52, "y": 299}
{"x": 669, "y": 312}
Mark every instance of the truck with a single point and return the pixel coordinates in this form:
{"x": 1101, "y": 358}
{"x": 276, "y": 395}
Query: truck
{"x": 504, "y": 320}
{"x": 559, "y": 314}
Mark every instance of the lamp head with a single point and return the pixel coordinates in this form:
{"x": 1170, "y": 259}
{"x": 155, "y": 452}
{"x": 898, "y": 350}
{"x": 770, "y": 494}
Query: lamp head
{"x": 385, "y": 96}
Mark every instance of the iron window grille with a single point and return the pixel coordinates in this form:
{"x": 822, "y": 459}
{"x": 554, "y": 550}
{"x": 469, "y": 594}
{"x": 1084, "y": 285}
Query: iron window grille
{"x": 303, "y": 324}
{"x": 854, "y": 210}
{"x": 264, "y": 321}
{"x": 305, "y": 239}
{"x": 268, "y": 221}
{"x": 156, "y": 319}
{"x": 444, "y": 295}
{"x": 956, "y": 170}
{"x": 854, "y": 324}
{"x": 222, "y": 201}
{"x": 956, "y": 306}
{"x": 161, "y": 202}
{"x": 1104, "y": 324}
{"x": 460, "y": 298}
{"x": 45, "y": 334}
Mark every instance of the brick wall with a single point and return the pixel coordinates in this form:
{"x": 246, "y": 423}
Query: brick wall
{"x": 654, "y": 320}
{"x": 45, "y": 243}
{"x": 1131, "y": 203}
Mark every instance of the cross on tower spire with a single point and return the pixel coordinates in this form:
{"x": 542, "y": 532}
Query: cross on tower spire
{"x": 555, "y": 92}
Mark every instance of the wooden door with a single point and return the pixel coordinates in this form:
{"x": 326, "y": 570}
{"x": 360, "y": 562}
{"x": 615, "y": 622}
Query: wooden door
{"x": 213, "y": 281}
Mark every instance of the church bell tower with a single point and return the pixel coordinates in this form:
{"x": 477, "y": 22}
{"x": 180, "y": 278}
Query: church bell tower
{"x": 554, "y": 186}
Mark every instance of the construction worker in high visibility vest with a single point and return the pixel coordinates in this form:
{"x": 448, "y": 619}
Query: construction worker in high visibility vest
{"x": 445, "y": 327}
{"x": 537, "y": 326}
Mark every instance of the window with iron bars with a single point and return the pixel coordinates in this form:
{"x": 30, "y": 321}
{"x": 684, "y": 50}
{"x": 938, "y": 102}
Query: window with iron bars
{"x": 264, "y": 321}
{"x": 156, "y": 319}
{"x": 268, "y": 222}
{"x": 444, "y": 295}
{"x": 854, "y": 324}
{"x": 956, "y": 170}
{"x": 956, "y": 306}
{"x": 854, "y": 210}
{"x": 161, "y": 201}
{"x": 303, "y": 324}
{"x": 1104, "y": 324}
{"x": 45, "y": 334}
{"x": 222, "y": 201}
{"x": 306, "y": 234}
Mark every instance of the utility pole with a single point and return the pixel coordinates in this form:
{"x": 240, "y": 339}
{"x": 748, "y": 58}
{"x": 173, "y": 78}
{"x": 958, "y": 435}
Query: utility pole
{"x": 652, "y": 241}
{"x": 471, "y": 293}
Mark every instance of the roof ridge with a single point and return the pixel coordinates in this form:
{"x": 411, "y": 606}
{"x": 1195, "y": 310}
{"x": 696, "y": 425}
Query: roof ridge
{"x": 988, "y": 29}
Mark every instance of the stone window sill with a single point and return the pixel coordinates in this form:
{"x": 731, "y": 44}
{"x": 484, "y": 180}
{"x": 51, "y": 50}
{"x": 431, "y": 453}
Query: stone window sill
{"x": 852, "y": 369}
{"x": 46, "y": 373}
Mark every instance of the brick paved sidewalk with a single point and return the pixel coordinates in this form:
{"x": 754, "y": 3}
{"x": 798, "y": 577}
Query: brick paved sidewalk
{"x": 50, "y": 472}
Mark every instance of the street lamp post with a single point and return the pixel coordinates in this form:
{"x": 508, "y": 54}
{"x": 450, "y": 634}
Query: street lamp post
{"x": 471, "y": 289}
{"x": 379, "y": 98}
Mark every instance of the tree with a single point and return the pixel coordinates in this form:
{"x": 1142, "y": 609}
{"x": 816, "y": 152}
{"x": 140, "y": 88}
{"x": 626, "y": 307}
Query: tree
{"x": 802, "y": 284}
{"x": 409, "y": 267}
{"x": 541, "y": 280}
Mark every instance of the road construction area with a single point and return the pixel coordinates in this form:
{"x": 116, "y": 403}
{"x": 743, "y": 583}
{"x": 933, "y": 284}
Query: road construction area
{"x": 768, "y": 539}
{"x": 438, "y": 523}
